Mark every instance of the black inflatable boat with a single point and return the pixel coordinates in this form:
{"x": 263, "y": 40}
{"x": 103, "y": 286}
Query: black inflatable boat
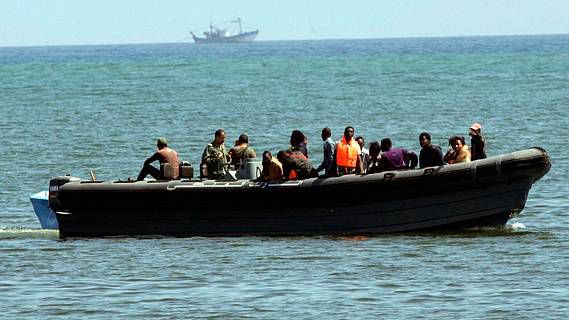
{"x": 480, "y": 193}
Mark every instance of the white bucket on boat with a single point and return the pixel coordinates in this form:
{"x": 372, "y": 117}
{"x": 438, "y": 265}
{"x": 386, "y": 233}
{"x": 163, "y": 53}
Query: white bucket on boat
{"x": 250, "y": 169}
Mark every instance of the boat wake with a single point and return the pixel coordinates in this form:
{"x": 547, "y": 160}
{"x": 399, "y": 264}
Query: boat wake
{"x": 507, "y": 229}
{"x": 27, "y": 233}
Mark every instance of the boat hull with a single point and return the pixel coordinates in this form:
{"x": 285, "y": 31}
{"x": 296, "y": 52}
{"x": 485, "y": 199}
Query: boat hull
{"x": 240, "y": 38}
{"x": 481, "y": 193}
{"x": 45, "y": 215}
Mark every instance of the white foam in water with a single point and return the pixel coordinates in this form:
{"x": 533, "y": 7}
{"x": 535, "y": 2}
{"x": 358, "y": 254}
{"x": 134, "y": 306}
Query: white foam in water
{"x": 516, "y": 226}
{"x": 24, "y": 232}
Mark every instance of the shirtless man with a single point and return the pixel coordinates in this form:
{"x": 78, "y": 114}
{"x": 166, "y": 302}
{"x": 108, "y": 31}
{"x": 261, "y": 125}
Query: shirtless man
{"x": 163, "y": 155}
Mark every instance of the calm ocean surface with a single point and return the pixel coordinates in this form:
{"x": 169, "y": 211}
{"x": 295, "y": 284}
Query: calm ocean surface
{"x": 101, "y": 108}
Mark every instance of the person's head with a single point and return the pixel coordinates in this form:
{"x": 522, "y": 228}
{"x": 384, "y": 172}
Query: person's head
{"x": 374, "y": 149}
{"x": 456, "y": 142}
{"x": 475, "y": 129}
{"x": 385, "y": 144}
{"x": 349, "y": 133}
{"x": 243, "y": 138}
{"x": 425, "y": 139}
{"x": 282, "y": 155}
{"x": 219, "y": 136}
{"x": 326, "y": 133}
{"x": 267, "y": 156}
{"x": 161, "y": 143}
{"x": 297, "y": 137}
{"x": 360, "y": 140}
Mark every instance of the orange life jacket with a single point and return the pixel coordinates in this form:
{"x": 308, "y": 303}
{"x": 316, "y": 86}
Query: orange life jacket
{"x": 347, "y": 153}
{"x": 292, "y": 175}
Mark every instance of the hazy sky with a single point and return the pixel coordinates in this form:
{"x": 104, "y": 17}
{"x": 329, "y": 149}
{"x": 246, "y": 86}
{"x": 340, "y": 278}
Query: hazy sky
{"x": 59, "y": 22}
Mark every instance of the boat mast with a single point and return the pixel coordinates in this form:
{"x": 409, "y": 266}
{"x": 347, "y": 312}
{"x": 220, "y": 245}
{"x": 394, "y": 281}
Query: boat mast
{"x": 240, "y": 28}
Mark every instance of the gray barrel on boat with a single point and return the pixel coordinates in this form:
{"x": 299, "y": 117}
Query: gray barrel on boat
{"x": 250, "y": 169}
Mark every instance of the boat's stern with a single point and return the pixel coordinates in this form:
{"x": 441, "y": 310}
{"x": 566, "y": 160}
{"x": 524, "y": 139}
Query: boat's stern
{"x": 46, "y": 204}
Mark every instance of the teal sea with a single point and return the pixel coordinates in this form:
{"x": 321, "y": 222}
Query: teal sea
{"x": 68, "y": 110}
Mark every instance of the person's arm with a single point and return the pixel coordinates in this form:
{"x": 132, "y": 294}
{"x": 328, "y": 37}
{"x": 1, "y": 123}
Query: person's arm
{"x": 438, "y": 157}
{"x": 286, "y": 172}
{"x": 411, "y": 159}
{"x": 231, "y": 154}
{"x": 450, "y": 157}
{"x": 328, "y": 157}
{"x": 322, "y": 165}
{"x": 152, "y": 158}
{"x": 359, "y": 164}
{"x": 225, "y": 154}
{"x": 359, "y": 160}
{"x": 334, "y": 158}
{"x": 205, "y": 154}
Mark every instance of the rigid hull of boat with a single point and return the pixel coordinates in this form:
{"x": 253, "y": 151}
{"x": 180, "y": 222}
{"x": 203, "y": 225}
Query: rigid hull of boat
{"x": 484, "y": 192}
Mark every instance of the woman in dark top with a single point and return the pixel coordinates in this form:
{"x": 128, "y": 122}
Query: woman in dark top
{"x": 298, "y": 142}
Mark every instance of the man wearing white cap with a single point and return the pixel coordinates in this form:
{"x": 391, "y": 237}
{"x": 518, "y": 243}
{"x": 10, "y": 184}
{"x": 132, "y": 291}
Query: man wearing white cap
{"x": 477, "y": 142}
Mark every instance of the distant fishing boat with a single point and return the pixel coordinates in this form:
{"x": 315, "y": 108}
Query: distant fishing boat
{"x": 219, "y": 35}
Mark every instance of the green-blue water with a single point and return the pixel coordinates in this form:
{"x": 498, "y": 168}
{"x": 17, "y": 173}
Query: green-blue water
{"x": 75, "y": 109}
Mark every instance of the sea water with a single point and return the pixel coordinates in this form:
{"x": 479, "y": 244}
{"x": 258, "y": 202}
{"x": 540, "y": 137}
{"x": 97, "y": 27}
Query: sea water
{"x": 69, "y": 110}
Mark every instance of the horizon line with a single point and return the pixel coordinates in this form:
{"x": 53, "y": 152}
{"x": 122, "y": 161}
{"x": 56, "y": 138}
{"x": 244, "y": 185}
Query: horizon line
{"x": 290, "y": 40}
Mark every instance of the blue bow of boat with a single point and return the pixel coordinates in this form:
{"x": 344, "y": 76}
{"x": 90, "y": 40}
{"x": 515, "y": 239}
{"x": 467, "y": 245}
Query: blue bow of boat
{"x": 46, "y": 216}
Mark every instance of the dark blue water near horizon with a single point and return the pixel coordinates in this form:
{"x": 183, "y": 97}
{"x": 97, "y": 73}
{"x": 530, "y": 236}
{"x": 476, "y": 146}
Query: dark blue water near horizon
{"x": 72, "y": 109}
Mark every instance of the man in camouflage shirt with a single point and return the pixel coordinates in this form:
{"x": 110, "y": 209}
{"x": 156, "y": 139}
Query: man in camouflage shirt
{"x": 215, "y": 157}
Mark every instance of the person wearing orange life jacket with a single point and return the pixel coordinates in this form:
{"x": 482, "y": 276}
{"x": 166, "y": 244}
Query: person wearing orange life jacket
{"x": 348, "y": 158}
{"x": 163, "y": 155}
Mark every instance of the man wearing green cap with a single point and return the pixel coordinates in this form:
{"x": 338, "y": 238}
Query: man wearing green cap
{"x": 164, "y": 155}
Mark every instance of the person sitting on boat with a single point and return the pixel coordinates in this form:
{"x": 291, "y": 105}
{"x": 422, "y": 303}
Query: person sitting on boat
{"x": 241, "y": 150}
{"x": 348, "y": 159}
{"x": 477, "y": 142}
{"x": 459, "y": 152}
{"x": 272, "y": 168}
{"x": 296, "y": 165}
{"x": 364, "y": 152}
{"x": 298, "y": 142}
{"x": 396, "y": 158}
{"x": 165, "y": 156}
{"x": 374, "y": 165}
{"x": 328, "y": 163}
{"x": 431, "y": 155}
{"x": 215, "y": 158}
